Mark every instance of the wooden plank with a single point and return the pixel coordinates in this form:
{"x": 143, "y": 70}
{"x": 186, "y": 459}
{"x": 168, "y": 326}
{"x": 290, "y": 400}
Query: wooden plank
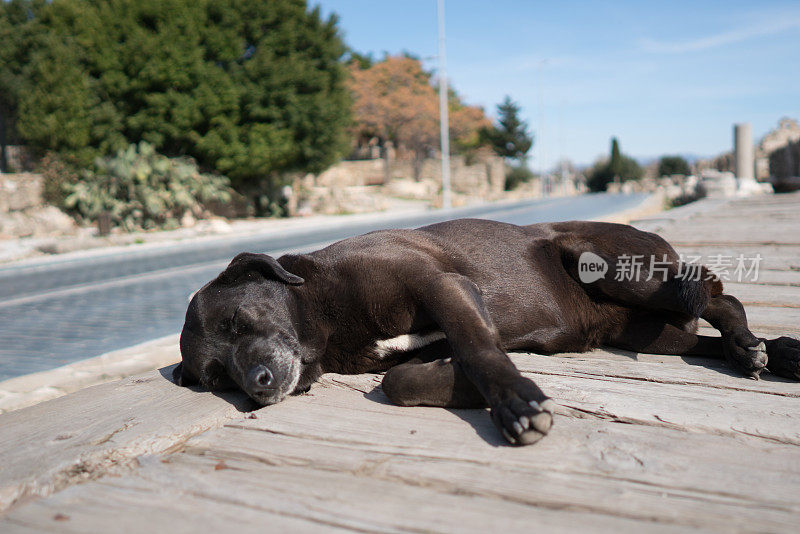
{"x": 339, "y": 411}
{"x": 639, "y": 472}
{"x": 250, "y": 494}
{"x": 744, "y": 232}
{"x": 674, "y": 370}
{"x": 99, "y": 429}
{"x": 779, "y": 277}
{"x": 774, "y": 320}
{"x": 773, "y": 257}
{"x": 129, "y": 505}
{"x": 712, "y": 410}
{"x": 765, "y": 295}
{"x": 656, "y": 395}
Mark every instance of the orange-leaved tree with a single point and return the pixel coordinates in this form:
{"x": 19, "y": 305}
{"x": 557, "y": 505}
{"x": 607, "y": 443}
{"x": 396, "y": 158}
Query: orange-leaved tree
{"x": 394, "y": 100}
{"x": 466, "y": 123}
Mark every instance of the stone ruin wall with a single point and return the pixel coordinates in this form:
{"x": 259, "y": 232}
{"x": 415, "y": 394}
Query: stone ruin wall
{"x": 785, "y": 162}
{"x": 23, "y": 212}
{"x": 483, "y": 178}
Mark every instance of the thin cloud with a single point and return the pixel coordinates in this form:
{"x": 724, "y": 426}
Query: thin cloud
{"x": 720, "y": 39}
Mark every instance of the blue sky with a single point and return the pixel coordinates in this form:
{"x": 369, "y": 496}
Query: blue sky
{"x": 666, "y": 77}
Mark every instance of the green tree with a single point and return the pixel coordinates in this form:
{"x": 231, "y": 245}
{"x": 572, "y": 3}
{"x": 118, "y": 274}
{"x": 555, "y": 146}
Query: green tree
{"x": 55, "y": 112}
{"x": 254, "y": 90}
{"x": 615, "y": 163}
{"x": 617, "y": 167}
{"x": 669, "y": 165}
{"x": 510, "y": 138}
{"x": 362, "y": 61}
{"x": 18, "y": 39}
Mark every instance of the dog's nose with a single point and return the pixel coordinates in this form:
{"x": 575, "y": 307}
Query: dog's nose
{"x": 260, "y": 378}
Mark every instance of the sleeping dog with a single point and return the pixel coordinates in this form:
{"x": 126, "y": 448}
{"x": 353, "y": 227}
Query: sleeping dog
{"x": 438, "y": 307}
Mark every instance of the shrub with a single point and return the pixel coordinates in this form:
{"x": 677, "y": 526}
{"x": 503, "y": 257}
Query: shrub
{"x": 671, "y": 165}
{"x": 142, "y": 189}
{"x": 688, "y": 197}
{"x": 617, "y": 166}
{"x": 57, "y": 175}
{"x": 602, "y": 174}
{"x": 599, "y": 176}
{"x": 517, "y": 175}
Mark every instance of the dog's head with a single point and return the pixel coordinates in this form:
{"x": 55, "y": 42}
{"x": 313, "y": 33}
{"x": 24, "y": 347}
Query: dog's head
{"x": 239, "y": 331}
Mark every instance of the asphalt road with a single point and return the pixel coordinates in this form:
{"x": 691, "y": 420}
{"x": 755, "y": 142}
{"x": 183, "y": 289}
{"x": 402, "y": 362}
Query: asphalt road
{"x": 76, "y": 307}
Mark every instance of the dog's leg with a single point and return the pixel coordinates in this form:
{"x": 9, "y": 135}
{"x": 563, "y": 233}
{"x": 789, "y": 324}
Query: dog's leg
{"x": 651, "y": 335}
{"x": 520, "y": 410}
{"x": 744, "y": 350}
{"x": 783, "y": 356}
{"x": 701, "y": 297}
{"x": 741, "y": 348}
{"x": 737, "y": 344}
{"x": 690, "y": 297}
{"x": 439, "y": 382}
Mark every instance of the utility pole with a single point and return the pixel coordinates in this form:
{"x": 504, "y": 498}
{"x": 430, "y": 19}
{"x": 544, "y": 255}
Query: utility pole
{"x": 545, "y": 180}
{"x": 444, "y": 126}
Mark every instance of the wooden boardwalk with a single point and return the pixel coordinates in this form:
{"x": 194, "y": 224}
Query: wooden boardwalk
{"x": 640, "y": 442}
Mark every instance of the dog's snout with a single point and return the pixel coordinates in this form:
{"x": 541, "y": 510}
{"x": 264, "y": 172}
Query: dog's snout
{"x": 260, "y": 378}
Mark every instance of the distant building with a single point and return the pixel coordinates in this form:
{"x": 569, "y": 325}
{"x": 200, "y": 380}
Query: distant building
{"x": 787, "y": 133}
{"x": 775, "y": 141}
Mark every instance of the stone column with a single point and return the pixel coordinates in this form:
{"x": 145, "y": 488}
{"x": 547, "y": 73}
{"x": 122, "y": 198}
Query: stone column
{"x": 745, "y": 162}
{"x": 743, "y": 150}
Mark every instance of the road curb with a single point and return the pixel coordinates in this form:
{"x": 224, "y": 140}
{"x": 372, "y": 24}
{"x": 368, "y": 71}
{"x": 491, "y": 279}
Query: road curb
{"x": 649, "y": 206}
{"x": 30, "y": 389}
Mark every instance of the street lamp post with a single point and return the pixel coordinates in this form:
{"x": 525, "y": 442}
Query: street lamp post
{"x": 543, "y": 177}
{"x": 443, "y": 118}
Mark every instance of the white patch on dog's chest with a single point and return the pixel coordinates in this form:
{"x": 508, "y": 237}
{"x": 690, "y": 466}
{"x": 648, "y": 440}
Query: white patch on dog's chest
{"x": 405, "y": 343}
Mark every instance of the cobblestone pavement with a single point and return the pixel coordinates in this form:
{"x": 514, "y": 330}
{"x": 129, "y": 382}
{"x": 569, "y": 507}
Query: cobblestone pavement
{"x": 66, "y": 310}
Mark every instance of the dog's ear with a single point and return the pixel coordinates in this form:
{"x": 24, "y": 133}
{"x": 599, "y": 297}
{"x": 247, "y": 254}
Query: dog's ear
{"x": 182, "y": 379}
{"x": 261, "y": 263}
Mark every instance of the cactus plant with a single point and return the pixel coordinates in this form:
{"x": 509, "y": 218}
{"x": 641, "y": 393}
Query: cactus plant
{"x": 142, "y": 189}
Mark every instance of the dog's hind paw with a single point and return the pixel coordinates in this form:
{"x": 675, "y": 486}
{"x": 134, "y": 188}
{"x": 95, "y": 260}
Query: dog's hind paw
{"x": 784, "y": 357}
{"x": 746, "y": 353}
{"x": 524, "y": 415}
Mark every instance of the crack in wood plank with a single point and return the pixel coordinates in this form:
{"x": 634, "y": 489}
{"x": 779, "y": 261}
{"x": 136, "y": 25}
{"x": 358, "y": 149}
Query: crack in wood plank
{"x": 110, "y": 436}
{"x": 663, "y": 423}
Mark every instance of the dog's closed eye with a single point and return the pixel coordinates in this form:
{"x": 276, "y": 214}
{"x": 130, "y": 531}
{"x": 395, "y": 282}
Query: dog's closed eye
{"x": 225, "y": 326}
{"x": 240, "y": 323}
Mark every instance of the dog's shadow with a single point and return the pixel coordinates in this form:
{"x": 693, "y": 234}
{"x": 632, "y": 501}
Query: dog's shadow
{"x": 477, "y": 418}
{"x": 717, "y": 365}
{"x": 237, "y": 398}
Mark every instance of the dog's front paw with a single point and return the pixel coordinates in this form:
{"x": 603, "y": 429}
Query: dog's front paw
{"x": 784, "y": 357}
{"x": 745, "y": 352}
{"x": 523, "y": 414}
